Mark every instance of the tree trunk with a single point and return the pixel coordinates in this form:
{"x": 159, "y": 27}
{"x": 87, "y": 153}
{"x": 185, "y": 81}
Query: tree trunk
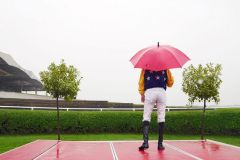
{"x": 58, "y": 123}
{"x": 203, "y": 121}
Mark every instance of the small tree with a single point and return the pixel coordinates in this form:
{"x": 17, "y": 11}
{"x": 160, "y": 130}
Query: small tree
{"x": 61, "y": 81}
{"x": 202, "y": 84}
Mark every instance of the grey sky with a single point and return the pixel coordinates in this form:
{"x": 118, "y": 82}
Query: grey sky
{"x": 99, "y": 38}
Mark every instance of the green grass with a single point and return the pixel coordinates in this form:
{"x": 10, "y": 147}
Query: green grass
{"x": 8, "y": 142}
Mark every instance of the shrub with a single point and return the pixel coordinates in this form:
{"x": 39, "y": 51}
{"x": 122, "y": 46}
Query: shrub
{"x": 221, "y": 122}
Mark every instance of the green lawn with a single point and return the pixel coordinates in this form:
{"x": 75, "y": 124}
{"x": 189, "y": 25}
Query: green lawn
{"x": 8, "y": 142}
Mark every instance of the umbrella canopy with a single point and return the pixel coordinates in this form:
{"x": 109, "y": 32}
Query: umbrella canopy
{"x": 159, "y": 57}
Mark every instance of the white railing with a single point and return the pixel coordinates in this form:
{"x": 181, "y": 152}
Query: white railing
{"x": 100, "y": 109}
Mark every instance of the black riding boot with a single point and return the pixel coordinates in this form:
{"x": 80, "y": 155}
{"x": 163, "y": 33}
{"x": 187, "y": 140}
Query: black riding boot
{"x": 160, "y": 136}
{"x": 145, "y": 135}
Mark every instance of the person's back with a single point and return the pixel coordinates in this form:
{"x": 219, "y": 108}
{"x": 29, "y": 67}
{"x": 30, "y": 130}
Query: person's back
{"x": 155, "y": 79}
{"x": 152, "y": 87}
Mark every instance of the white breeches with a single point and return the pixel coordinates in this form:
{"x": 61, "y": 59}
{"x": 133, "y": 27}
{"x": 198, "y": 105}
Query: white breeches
{"x": 155, "y": 96}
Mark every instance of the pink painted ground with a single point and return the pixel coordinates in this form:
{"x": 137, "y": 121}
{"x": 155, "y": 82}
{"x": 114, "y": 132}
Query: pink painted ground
{"x": 122, "y": 150}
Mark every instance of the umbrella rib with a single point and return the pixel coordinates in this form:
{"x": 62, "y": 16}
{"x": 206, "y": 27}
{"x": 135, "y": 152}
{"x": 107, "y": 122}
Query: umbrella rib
{"x": 174, "y": 57}
{"x": 139, "y": 57}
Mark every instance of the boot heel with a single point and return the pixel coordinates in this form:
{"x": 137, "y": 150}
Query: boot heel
{"x": 161, "y": 147}
{"x": 143, "y": 147}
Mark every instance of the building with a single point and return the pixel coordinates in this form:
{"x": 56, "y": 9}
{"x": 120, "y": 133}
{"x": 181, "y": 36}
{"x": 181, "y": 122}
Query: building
{"x": 14, "y": 78}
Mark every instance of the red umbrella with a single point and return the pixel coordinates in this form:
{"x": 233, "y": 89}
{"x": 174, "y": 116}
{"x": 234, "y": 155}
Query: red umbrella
{"x": 159, "y": 57}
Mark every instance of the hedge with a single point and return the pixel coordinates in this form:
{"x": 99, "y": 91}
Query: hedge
{"x": 218, "y": 122}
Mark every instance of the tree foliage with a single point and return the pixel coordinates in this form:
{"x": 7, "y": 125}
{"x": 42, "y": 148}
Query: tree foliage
{"x": 202, "y": 83}
{"x": 61, "y": 81}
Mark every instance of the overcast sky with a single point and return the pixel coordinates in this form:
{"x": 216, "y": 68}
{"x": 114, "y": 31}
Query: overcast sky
{"x": 99, "y": 37}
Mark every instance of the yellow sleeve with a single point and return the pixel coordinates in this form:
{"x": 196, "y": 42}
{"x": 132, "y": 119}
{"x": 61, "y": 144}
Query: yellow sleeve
{"x": 141, "y": 83}
{"x": 170, "y": 79}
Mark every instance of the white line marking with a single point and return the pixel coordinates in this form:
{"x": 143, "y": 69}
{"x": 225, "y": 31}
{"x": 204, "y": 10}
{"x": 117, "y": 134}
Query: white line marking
{"x": 182, "y": 151}
{"x": 112, "y": 150}
{"x": 45, "y": 152}
{"x": 224, "y": 144}
{"x": 115, "y": 157}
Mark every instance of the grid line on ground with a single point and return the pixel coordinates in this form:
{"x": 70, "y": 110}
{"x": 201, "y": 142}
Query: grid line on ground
{"x": 182, "y": 151}
{"x": 47, "y": 150}
{"x": 224, "y": 144}
{"x": 113, "y": 151}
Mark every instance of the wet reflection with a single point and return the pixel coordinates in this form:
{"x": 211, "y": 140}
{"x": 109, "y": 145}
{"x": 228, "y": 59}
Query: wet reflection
{"x": 214, "y": 147}
{"x": 203, "y": 144}
{"x": 145, "y": 155}
{"x": 161, "y": 154}
{"x": 58, "y": 151}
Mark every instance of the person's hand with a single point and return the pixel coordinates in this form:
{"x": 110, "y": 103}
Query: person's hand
{"x": 142, "y": 98}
